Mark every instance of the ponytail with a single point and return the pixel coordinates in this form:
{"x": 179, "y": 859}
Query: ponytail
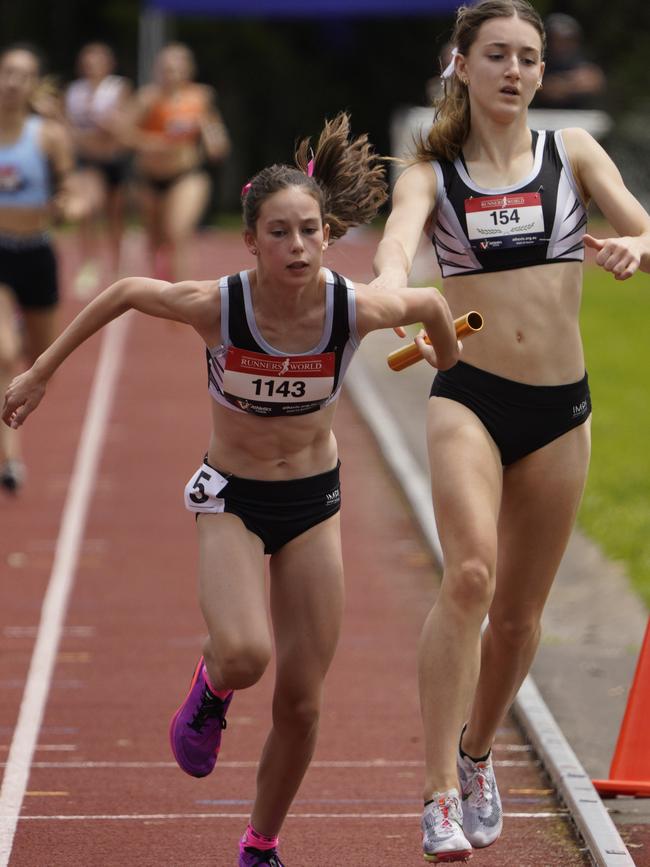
{"x": 349, "y": 174}
{"x": 344, "y": 175}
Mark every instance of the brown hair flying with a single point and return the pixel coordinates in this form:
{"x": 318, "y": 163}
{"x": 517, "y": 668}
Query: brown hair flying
{"x": 347, "y": 179}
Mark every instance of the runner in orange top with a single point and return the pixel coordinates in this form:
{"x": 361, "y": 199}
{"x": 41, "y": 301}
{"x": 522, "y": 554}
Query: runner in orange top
{"x": 178, "y": 118}
{"x": 176, "y": 128}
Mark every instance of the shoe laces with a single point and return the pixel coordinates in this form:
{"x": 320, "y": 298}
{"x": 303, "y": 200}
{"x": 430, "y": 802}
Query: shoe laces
{"x": 444, "y": 822}
{"x": 479, "y": 785}
{"x": 211, "y": 707}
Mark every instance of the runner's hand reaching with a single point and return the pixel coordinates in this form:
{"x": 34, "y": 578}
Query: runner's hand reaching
{"x": 24, "y": 394}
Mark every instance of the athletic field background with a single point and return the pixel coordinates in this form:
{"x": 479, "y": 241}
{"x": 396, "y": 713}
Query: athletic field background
{"x": 615, "y": 510}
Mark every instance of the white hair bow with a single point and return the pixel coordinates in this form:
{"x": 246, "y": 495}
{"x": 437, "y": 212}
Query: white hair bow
{"x": 451, "y": 66}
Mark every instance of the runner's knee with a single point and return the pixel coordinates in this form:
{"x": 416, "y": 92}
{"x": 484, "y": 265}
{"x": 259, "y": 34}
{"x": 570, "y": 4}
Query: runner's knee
{"x": 238, "y": 663}
{"x": 297, "y": 714}
{"x": 469, "y": 585}
{"x": 515, "y": 632}
{"x": 9, "y": 354}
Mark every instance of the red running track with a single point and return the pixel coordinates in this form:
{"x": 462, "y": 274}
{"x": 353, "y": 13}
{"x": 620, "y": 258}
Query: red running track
{"x": 103, "y": 788}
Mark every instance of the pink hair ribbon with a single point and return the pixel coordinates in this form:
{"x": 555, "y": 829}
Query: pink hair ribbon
{"x": 245, "y": 189}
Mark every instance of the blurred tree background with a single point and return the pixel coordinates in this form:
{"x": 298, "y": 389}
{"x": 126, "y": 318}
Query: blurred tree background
{"x": 277, "y": 78}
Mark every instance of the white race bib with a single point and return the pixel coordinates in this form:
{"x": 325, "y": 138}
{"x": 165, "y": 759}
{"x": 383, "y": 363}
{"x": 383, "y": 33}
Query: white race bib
{"x": 276, "y": 385}
{"x": 499, "y": 222}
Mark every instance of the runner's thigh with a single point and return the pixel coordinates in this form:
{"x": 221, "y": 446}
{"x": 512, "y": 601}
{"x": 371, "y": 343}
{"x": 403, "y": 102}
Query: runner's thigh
{"x": 541, "y": 495}
{"x": 307, "y": 603}
{"x": 9, "y": 338}
{"x": 466, "y": 478}
{"x": 232, "y": 591}
{"x": 185, "y": 203}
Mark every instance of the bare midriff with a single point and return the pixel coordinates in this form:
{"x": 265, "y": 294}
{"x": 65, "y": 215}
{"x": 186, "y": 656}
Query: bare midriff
{"x": 272, "y": 449}
{"x": 24, "y": 221}
{"x": 175, "y": 159}
{"x": 531, "y": 322}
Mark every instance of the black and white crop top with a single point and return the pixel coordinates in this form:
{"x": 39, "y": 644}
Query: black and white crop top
{"x": 247, "y": 374}
{"x": 537, "y": 221}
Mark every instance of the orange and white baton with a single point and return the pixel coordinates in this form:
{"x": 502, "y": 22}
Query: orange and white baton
{"x": 408, "y": 355}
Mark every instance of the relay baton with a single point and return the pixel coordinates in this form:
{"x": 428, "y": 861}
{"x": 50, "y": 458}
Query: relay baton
{"x": 408, "y": 355}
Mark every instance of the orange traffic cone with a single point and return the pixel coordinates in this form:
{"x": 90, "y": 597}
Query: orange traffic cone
{"x": 630, "y": 770}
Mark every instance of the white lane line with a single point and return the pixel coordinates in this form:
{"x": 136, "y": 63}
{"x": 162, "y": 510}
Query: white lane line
{"x": 505, "y": 763}
{"x": 32, "y": 631}
{"x": 47, "y": 748}
{"x": 14, "y": 782}
{"x": 148, "y": 817}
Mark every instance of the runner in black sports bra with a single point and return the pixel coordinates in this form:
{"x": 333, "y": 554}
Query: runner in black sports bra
{"x": 475, "y": 230}
{"x": 542, "y": 219}
{"x": 508, "y": 430}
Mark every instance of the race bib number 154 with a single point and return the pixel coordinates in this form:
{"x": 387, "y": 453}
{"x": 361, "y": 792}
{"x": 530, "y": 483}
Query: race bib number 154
{"x": 505, "y": 221}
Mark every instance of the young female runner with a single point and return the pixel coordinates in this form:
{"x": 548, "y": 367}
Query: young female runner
{"x": 35, "y": 164}
{"x": 279, "y": 339}
{"x": 176, "y": 128}
{"x": 95, "y": 108}
{"x": 508, "y": 430}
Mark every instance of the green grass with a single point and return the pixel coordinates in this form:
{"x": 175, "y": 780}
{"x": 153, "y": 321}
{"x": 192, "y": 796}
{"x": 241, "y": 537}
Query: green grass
{"x": 616, "y": 507}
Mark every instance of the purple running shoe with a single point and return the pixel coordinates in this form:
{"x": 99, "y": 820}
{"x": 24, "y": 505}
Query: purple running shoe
{"x": 195, "y": 729}
{"x": 250, "y": 857}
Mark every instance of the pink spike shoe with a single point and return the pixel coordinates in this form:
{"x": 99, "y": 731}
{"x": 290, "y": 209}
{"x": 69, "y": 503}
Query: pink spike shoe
{"x": 196, "y": 727}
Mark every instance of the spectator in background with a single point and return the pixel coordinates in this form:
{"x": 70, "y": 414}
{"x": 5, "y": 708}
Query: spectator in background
{"x": 94, "y": 106}
{"x": 176, "y": 128}
{"x": 570, "y": 80}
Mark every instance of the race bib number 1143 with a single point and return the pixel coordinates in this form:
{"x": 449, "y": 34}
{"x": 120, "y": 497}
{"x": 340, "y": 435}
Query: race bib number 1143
{"x": 259, "y": 378}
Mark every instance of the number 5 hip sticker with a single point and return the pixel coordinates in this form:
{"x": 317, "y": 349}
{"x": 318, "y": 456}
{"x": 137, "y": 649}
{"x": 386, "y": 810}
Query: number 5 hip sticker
{"x": 202, "y": 489}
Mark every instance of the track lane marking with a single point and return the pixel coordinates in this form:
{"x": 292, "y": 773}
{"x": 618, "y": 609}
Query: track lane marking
{"x": 55, "y": 602}
{"x": 148, "y": 817}
{"x": 506, "y": 763}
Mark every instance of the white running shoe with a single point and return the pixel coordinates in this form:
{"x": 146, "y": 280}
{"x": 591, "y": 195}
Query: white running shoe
{"x": 443, "y": 840}
{"x": 482, "y": 811}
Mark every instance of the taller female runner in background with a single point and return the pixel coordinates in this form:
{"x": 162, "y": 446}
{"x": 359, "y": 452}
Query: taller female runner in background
{"x": 508, "y": 427}
{"x": 95, "y": 107}
{"x": 176, "y": 128}
{"x": 279, "y": 339}
{"x": 35, "y": 165}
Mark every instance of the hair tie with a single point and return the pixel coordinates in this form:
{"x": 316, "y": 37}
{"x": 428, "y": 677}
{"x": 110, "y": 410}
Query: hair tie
{"x": 245, "y": 189}
{"x": 310, "y": 164}
{"x": 450, "y": 69}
